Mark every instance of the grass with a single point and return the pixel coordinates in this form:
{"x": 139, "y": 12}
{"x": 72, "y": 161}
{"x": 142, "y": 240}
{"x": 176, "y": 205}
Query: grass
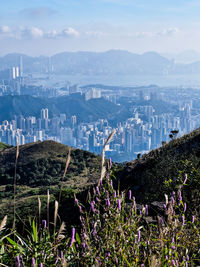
{"x": 113, "y": 232}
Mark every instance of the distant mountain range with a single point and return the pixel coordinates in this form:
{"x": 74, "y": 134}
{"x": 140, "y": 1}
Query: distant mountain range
{"x": 113, "y": 62}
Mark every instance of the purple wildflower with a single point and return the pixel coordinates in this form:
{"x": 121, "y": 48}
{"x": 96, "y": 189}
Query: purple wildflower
{"x": 185, "y": 207}
{"x": 41, "y": 265}
{"x": 173, "y": 263}
{"x": 76, "y": 201}
{"x": 146, "y": 210}
{"x": 33, "y": 262}
{"x": 161, "y": 221}
{"x": 97, "y": 189}
{"x": 73, "y": 237}
{"x": 80, "y": 209}
{"x": 92, "y": 207}
{"x": 110, "y": 163}
{"x": 107, "y": 176}
{"x": 119, "y": 204}
{"x": 165, "y": 207}
{"x": 185, "y": 179}
{"x": 148, "y": 243}
{"x": 179, "y": 195}
{"x": 173, "y": 194}
{"x": 61, "y": 255}
{"x": 172, "y": 239}
{"x": 139, "y": 236}
{"x": 111, "y": 183}
{"x": 172, "y": 200}
{"x": 142, "y": 265}
{"x": 108, "y": 202}
{"x": 173, "y": 247}
{"x": 116, "y": 260}
{"x": 130, "y": 194}
{"x": 193, "y": 219}
{"x": 44, "y": 223}
{"x": 115, "y": 194}
{"x": 17, "y": 261}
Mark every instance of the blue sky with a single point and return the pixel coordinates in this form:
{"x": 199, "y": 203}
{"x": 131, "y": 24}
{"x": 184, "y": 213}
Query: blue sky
{"x": 47, "y": 27}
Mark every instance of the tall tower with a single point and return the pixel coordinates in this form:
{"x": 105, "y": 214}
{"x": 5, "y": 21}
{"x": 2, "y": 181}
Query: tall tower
{"x": 21, "y": 66}
{"x": 13, "y": 73}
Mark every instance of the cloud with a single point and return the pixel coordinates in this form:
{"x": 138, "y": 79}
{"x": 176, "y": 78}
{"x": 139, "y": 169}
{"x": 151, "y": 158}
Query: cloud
{"x": 38, "y": 12}
{"x": 95, "y": 34}
{"x": 36, "y": 32}
{"x": 66, "y": 33}
{"x": 4, "y": 29}
{"x": 69, "y": 32}
{"x": 30, "y": 33}
{"x": 164, "y": 33}
{"x": 168, "y": 32}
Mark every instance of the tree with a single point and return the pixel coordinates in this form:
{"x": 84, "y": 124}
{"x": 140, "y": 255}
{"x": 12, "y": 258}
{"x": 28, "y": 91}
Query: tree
{"x": 173, "y": 134}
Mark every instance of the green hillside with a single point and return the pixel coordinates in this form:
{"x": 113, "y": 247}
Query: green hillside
{"x": 163, "y": 170}
{"x": 40, "y": 167}
{"x": 74, "y": 104}
{"x": 3, "y": 146}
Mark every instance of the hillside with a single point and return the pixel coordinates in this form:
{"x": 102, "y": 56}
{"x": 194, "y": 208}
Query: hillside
{"x": 3, "y": 146}
{"x": 40, "y": 167}
{"x": 163, "y": 170}
{"x": 93, "y": 109}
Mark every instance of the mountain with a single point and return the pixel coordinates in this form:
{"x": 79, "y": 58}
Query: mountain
{"x": 185, "y": 57}
{"x": 74, "y": 104}
{"x": 40, "y": 167}
{"x": 91, "y": 63}
{"x": 163, "y": 170}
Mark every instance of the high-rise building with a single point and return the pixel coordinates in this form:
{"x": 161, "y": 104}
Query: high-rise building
{"x": 44, "y": 114}
{"x": 21, "y": 67}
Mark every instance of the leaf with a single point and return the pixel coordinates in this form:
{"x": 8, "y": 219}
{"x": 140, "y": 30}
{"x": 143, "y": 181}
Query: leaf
{"x": 35, "y": 236}
{"x": 12, "y": 242}
{"x": 78, "y": 238}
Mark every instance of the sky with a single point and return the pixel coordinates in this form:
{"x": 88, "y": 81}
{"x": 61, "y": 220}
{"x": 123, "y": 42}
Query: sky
{"x": 42, "y": 27}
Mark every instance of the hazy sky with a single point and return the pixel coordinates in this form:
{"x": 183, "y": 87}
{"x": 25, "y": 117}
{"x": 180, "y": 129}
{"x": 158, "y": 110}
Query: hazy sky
{"x": 46, "y": 27}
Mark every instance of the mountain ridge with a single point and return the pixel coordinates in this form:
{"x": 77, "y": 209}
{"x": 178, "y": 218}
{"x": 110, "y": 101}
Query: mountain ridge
{"x": 110, "y": 62}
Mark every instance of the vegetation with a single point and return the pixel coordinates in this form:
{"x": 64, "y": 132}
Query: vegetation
{"x": 110, "y": 229}
{"x": 74, "y": 104}
{"x": 3, "y": 146}
{"x": 113, "y": 232}
{"x": 40, "y": 167}
{"x": 157, "y": 173}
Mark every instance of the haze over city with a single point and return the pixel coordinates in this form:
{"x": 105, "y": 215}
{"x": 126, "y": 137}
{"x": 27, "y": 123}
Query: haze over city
{"x": 48, "y": 27}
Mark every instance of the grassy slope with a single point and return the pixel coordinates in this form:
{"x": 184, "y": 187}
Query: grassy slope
{"x": 40, "y": 167}
{"x": 163, "y": 169}
{"x": 3, "y": 146}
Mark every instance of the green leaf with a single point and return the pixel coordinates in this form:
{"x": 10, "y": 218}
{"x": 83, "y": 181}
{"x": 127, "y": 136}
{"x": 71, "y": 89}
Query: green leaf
{"x": 78, "y": 238}
{"x": 12, "y": 242}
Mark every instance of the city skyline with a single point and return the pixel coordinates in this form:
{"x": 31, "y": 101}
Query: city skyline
{"x": 48, "y": 27}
